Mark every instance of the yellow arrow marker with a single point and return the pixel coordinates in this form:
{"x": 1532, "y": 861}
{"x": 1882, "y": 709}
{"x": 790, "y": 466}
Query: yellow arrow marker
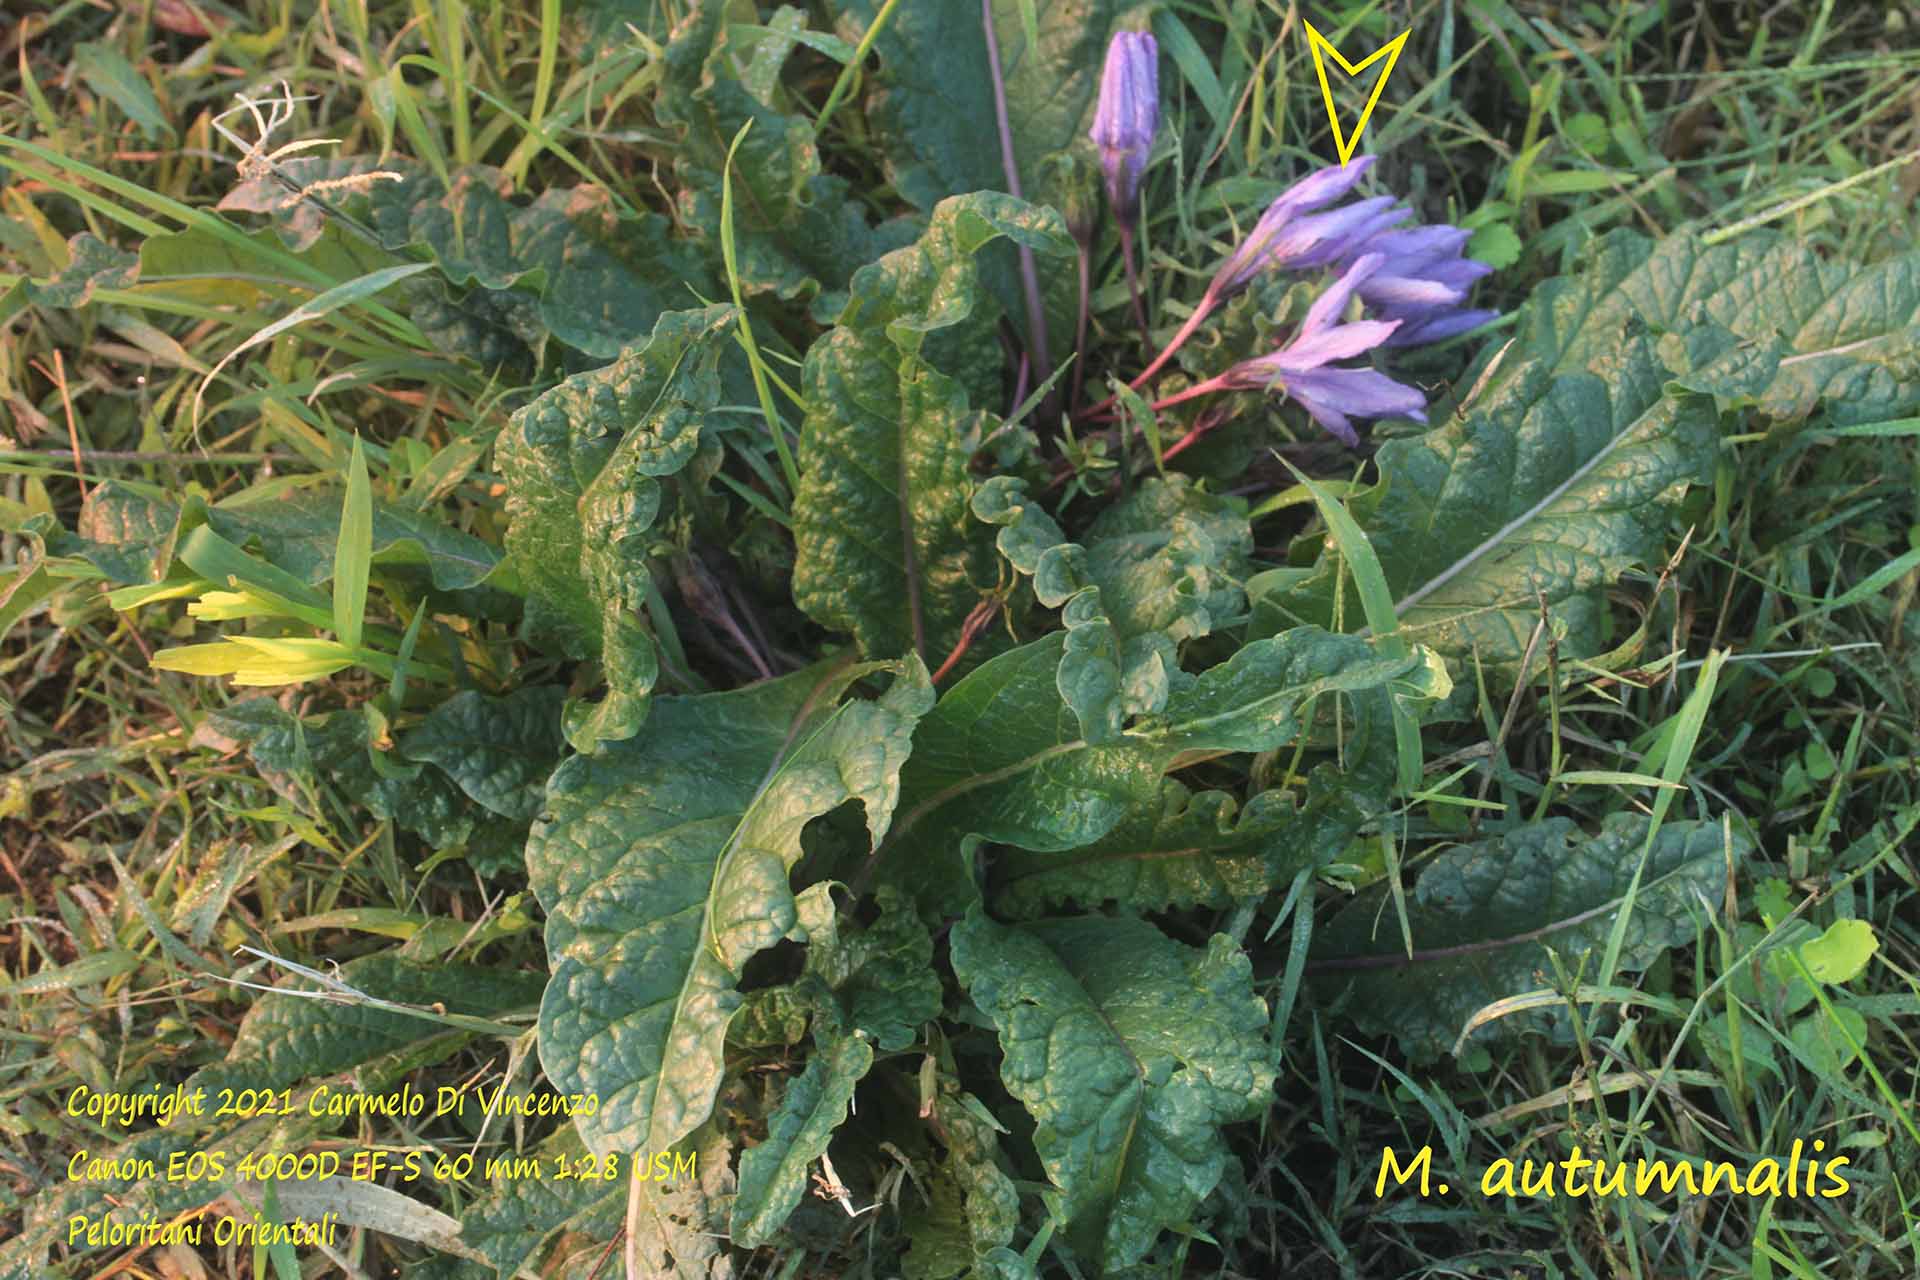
{"x": 1390, "y": 51}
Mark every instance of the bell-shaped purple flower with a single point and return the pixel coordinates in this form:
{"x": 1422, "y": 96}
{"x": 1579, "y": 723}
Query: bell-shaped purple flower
{"x": 1285, "y": 240}
{"x": 1421, "y": 282}
{"x": 1334, "y": 395}
{"x": 1126, "y": 117}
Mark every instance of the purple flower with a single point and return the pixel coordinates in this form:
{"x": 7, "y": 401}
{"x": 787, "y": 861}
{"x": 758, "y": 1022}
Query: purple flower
{"x": 1283, "y": 239}
{"x": 1126, "y": 117}
{"x": 1421, "y": 282}
{"x": 1332, "y": 395}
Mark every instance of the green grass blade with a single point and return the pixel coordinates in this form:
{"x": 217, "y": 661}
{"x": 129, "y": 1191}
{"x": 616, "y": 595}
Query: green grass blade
{"x": 1691, "y": 718}
{"x": 353, "y": 553}
{"x": 754, "y": 362}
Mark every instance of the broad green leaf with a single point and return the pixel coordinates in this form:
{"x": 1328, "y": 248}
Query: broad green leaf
{"x": 1842, "y": 952}
{"x": 885, "y": 547}
{"x": 1549, "y": 488}
{"x": 92, "y": 264}
{"x": 110, "y": 75}
{"x": 1851, "y": 332}
{"x": 285, "y": 1040}
{"x": 1129, "y": 1050}
{"x": 22, "y": 591}
{"x": 1170, "y": 557}
{"x": 1830, "y": 1039}
{"x": 662, "y": 863}
{"x": 583, "y": 466}
{"x": 1555, "y": 478}
{"x": 126, "y": 532}
{"x": 299, "y": 531}
{"x": 353, "y": 553}
{"x": 1189, "y": 850}
{"x": 499, "y": 750}
{"x": 336, "y": 748}
{"x": 1481, "y": 914}
{"x": 1002, "y": 758}
{"x": 603, "y": 282}
{"x": 773, "y": 1175}
{"x": 934, "y": 105}
{"x": 1105, "y": 677}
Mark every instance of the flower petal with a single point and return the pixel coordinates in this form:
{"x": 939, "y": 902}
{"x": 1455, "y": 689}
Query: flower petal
{"x": 1329, "y": 417}
{"x": 1440, "y": 326}
{"x": 1360, "y": 393}
{"x": 1321, "y": 239}
{"x": 1390, "y": 290}
{"x": 1336, "y": 342}
{"x": 1429, "y": 243}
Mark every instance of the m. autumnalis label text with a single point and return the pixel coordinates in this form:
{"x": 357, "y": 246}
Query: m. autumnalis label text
{"x": 1800, "y": 1173}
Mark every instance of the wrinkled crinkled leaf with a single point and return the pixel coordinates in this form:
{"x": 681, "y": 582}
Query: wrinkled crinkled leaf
{"x": 491, "y": 327}
{"x": 1481, "y": 913}
{"x": 974, "y": 1207}
{"x": 512, "y": 1224}
{"x": 1157, "y": 568}
{"x": 1852, "y": 332}
{"x": 128, "y": 534}
{"x": 1203, "y": 849}
{"x": 885, "y": 548}
{"x": 877, "y": 979}
{"x": 881, "y": 974}
{"x": 1170, "y": 557}
{"x": 1130, "y": 1050}
{"x": 1105, "y": 678}
{"x": 1190, "y": 850}
{"x": 335, "y": 748}
{"x": 499, "y": 750}
{"x": 603, "y": 281}
{"x": 1002, "y": 759}
{"x": 1549, "y": 487}
{"x": 773, "y": 1175}
{"x": 662, "y": 863}
{"x": 796, "y": 231}
{"x": 299, "y": 529}
{"x": 583, "y": 465}
{"x": 672, "y": 1225}
{"x": 92, "y": 264}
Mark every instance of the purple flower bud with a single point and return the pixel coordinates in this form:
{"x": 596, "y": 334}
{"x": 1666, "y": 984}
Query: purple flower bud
{"x": 1284, "y": 239}
{"x": 1332, "y": 396}
{"x": 1126, "y": 117}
